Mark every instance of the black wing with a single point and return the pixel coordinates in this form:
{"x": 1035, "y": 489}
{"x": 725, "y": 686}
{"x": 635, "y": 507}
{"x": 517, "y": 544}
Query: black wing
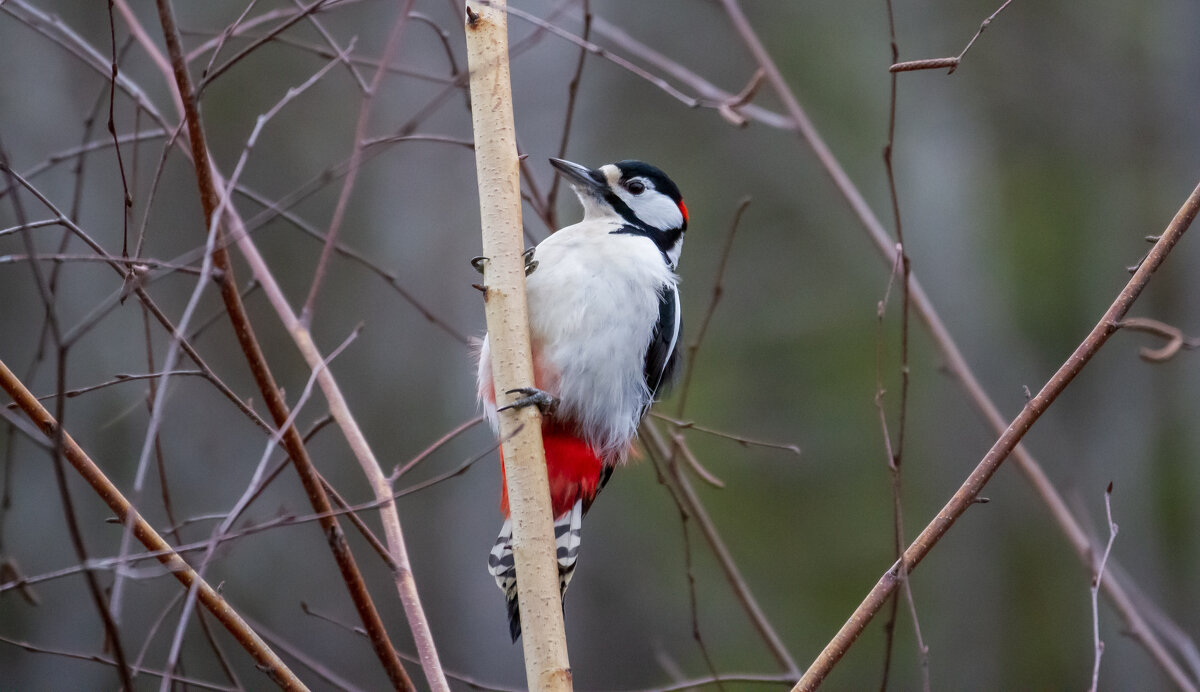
{"x": 662, "y": 357}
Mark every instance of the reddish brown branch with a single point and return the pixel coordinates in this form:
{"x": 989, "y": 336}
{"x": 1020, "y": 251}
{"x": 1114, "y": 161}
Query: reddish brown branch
{"x": 1034, "y": 408}
{"x": 150, "y": 538}
{"x": 292, "y": 442}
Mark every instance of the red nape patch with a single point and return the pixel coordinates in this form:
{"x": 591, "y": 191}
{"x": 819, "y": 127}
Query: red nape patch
{"x": 683, "y": 209}
{"x": 572, "y": 466}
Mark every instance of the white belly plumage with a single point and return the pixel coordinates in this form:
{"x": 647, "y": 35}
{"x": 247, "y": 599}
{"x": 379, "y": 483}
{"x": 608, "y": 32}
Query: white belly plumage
{"x": 593, "y": 307}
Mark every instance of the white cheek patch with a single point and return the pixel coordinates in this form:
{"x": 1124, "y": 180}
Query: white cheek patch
{"x": 653, "y": 207}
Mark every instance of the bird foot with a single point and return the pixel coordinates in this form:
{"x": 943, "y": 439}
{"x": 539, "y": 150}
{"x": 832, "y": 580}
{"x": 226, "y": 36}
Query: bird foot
{"x": 532, "y": 396}
{"x": 530, "y": 263}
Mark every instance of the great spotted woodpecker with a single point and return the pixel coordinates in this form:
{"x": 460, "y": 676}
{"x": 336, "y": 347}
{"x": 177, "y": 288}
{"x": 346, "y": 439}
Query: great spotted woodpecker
{"x": 604, "y": 323}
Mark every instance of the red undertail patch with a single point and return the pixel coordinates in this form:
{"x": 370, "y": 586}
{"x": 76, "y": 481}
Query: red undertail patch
{"x": 573, "y": 468}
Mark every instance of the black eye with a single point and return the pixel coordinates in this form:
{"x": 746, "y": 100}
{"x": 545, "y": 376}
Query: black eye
{"x": 637, "y": 187}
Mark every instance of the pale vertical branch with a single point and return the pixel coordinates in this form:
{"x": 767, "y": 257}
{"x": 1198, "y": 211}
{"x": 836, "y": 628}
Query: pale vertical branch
{"x": 545, "y": 644}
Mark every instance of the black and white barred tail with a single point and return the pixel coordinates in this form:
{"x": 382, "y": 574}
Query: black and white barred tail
{"x": 502, "y": 567}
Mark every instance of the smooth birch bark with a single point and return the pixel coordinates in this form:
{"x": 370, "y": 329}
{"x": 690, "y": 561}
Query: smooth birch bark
{"x": 545, "y": 644}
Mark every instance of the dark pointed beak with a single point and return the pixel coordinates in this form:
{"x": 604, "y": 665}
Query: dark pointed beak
{"x": 582, "y": 177}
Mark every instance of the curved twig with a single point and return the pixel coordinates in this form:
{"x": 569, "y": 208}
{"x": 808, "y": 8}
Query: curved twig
{"x": 1173, "y": 336}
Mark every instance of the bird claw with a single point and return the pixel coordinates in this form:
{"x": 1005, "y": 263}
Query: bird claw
{"x": 546, "y": 403}
{"x": 530, "y": 263}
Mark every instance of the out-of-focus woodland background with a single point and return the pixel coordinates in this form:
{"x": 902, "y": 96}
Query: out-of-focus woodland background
{"x": 1026, "y": 181}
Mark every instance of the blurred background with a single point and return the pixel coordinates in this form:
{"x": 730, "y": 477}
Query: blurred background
{"x": 1026, "y": 182}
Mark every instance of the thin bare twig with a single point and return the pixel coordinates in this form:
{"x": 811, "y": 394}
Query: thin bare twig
{"x": 209, "y": 179}
{"x": 126, "y": 198}
{"x": 572, "y": 95}
{"x": 471, "y": 682}
{"x": 895, "y": 454}
{"x": 952, "y": 63}
{"x": 743, "y": 441}
{"x": 97, "y": 658}
{"x": 213, "y": 74}
{"x": 211, "y": 260}
{"x": 721, "y": 98}
{"x": 360, "y": 135}
{"x": 671, "y": 468}
{"x": 1172, "y": 334}
{"x": 15, "y": 580}
{"x": 342, "y": 55}
{"x": 391, "y": 278}
{"x": 119, "y": 265}
{"x": 598, "y": 51}
{"x": 657, "y": 446}
{"x": 718, "y": 289}
{"x": 1097, "y": 644}
{"x": 424, "y": 454}
{"x": 321, "y": 671}
{"x": 693, "y": 463}
{"x": 698, "y": 683}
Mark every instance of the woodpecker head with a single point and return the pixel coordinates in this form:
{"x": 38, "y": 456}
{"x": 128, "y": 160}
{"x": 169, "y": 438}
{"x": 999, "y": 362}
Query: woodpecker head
{"x": 640, "y": 194}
